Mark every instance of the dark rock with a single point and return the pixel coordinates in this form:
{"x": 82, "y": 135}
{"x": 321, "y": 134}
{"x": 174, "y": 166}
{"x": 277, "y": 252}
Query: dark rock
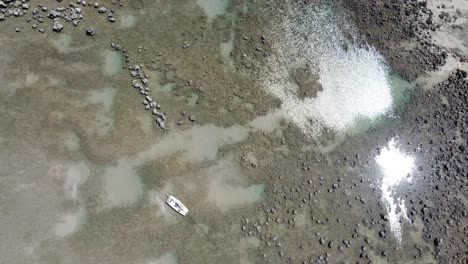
{"x": 57, "y": 27}
{"x": 438, "y": 242}
{"x": 322, "y": 241}
{"x": 90, "y": 31}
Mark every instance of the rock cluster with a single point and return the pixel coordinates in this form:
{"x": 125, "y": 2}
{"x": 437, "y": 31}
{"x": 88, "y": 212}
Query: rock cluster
{"x": 73, "y": 13}
{"x": 140, "y": 82}
{"x": 12, "y": 8}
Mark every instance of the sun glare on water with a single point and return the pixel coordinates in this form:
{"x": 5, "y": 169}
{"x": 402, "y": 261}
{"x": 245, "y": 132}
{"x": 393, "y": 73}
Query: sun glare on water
{"x": 354, "y": 79}
{"x": 396, "y": 167}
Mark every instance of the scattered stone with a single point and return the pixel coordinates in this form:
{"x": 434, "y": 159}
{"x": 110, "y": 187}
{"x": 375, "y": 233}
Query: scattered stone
{"x": 438, "y": 242}
{"x": 185, "y": 45}
{"x": 110, "y": 16}
{"x": 90, "y": 31}
{"x": 54, "y": 14}
{"x": 382, "y": 233}
{"x": 322, "y": 241}
{"x": 248, "y": 159}
{"x": 384, "y": 217}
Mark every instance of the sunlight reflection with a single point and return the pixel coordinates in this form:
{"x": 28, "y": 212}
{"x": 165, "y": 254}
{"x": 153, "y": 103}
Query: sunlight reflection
{"x": 396, "y": 167}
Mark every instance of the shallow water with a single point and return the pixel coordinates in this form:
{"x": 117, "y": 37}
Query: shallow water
{"x": 62, "y": 44}
{"x": 197, "y": 144}
{"x": 128, "y": 21}
{"x": 213, "y": 8}
{"x": 355, "y": 81}
{"x": 167, "y": 258}
{"x": 70, "y": 223}
{"x": 225, "y": 195}
{"x": 75, "y": 134}
{"x": 122, "y": 185}
{"x": 76, "y": 175}
{"x": 226, "y": 48}
{"x": 104, "y": 96}
{"x": 72, "y": 141}
{"x": 112, "y": 62}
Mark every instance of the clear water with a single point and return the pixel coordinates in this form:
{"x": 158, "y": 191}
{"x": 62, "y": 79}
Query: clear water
{"x": 355, "y": 80}
{"x": 122, "y": 185}
{"x": 213, "y": 8}
{"x": 104, "y": 96}
{"x": 62, "y": 43}
{"x": 113, "y": 63}
{"x": 75, "y": 134}
{"x": 128, "y": 21}
{"x": 168, "y": 258}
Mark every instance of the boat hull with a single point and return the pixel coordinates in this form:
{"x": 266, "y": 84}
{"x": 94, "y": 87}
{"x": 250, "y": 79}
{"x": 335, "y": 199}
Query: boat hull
{"x": 175, "y": 204}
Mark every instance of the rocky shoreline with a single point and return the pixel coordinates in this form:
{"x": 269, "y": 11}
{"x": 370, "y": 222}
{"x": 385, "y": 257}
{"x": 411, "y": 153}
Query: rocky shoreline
{"x": 402, "y": 32}
{"x": 433, "y": 123}
{"x": 438, "y": 129}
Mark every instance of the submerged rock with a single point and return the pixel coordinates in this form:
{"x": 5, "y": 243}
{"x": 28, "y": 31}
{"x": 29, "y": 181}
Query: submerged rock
{"x": 90, "y": 31}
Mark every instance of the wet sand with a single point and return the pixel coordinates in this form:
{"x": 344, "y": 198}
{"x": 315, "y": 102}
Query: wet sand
{"x": 283, "y": 132}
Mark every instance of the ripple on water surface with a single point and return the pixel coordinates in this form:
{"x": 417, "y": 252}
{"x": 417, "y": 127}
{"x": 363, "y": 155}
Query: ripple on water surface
{"x": 355, "y": 80}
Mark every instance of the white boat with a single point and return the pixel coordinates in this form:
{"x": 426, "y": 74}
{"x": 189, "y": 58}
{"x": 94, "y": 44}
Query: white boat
{"x": 175, "y": 204}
